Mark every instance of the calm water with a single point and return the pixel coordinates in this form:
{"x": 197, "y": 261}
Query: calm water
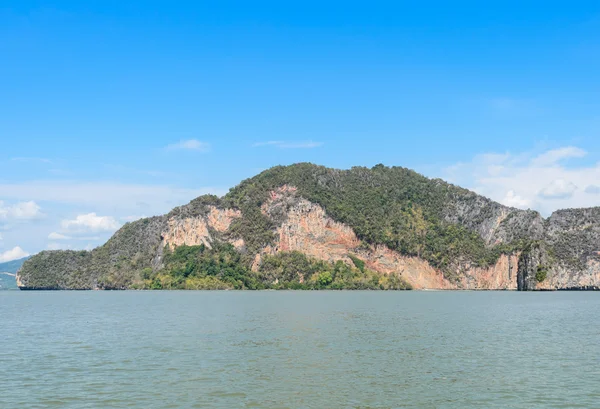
{"x": 299, "y": 350}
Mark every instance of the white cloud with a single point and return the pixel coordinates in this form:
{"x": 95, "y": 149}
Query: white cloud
{"x": 90, "y": 223}
{"x": 58, "y": 236}
{"x": 513, "y": 200}
{"x": 541, "y": 181}
{"x": 21, "y": 211}
{"x": 67, "y": 199}
{"x": 289, "y": 145}
{"x": 191, "y": 145}
{"x": 558, "y": 189}
{"x": 14, "y": 254}
{"x": 1, "y": 238}
{"x": 26, "y": 211}
{"x": 553, "y": 156}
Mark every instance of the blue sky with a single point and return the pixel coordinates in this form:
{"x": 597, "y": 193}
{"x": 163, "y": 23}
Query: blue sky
{"x": 115, "y": 110}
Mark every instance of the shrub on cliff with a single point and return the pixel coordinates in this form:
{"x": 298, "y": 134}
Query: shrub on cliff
{"x": 541, "y": 273}
{"x": 294, "y": 270}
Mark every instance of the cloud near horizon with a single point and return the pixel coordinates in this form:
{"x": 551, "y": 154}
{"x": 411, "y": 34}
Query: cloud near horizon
{"x": 66, "y": 200}
{"x": 105, "y": 194}
{"x": 14, "y": 254}
{"x": 59, "y": 236}
{"x": 90, "y": 222}
{"x": 546, "y": 181}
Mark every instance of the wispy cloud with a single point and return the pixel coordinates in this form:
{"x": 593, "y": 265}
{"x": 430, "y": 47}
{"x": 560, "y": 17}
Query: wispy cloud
{"x": 106, "y": 194}
{"x": 554, "y": 156}
{"x": 499, "y": 106}
{"x": 125, "y": 169}
{"x": 189, "y": 145}
{"x": 289, "y": 145}
{"x": 30, "y": 159}
{"x": 267, "y": 143}
{"x": 60, "y": 172}
{"x": 60, "y": 236}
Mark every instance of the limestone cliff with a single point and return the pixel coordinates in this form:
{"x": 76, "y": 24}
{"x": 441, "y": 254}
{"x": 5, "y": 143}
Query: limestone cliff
{"x": 305, "y": 227}
{"x": 431, "y": 234}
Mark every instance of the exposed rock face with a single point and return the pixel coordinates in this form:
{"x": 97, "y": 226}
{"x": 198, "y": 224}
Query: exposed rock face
{"x": 305, "y": 227}
{"x": 574, "y": 235}
{"x": 532, "y": 261}
{"x": 561, "y": 252}
{"x": 494, "y": 222}
{"x": 192, "y": 231}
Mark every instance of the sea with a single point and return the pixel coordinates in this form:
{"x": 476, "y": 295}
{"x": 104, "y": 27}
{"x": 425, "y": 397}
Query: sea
{"x": 299, "y": 349}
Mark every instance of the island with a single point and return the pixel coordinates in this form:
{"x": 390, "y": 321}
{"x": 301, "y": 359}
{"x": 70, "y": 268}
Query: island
{"x": 310, "y": 227}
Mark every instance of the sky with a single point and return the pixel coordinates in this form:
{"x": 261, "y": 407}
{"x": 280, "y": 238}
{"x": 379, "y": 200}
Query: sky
{"x": 111, "y": 111}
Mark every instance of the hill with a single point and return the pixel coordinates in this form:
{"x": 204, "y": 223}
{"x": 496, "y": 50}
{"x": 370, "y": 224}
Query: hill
{"x": 310, "y": 227}
{"x": 7, "y": 273}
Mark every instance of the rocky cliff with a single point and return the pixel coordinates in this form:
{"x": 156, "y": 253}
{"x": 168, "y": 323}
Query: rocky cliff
{"x": 293, "y": 226}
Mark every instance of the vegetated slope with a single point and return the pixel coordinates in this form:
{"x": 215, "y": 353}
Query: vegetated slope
{"x": 307, "y": 226}
{"x": 7, "y": 273}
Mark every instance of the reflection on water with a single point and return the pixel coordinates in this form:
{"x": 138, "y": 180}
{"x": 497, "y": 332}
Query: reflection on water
{"x": 299, "y": 349}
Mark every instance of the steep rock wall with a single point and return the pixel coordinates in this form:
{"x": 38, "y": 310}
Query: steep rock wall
{"x": 305, "y": 227}
{"x": 193, "y": 231}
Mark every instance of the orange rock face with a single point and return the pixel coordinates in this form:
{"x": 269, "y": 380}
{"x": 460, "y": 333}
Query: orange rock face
{"x": 305, "y": 227}
{"x": 309, "y": 230}
{"x": 194, "y": 231}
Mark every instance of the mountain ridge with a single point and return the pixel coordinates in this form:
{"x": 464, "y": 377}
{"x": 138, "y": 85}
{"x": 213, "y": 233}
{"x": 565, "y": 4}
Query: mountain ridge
{"x": 8, "y": 270}
{"x": 424, "y": 233}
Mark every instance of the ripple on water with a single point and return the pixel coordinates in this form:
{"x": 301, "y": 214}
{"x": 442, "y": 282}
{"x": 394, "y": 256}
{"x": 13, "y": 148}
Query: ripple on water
{"x": 299, "y": 350}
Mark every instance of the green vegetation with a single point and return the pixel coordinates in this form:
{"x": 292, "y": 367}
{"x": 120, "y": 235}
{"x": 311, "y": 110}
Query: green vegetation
{"x": 222, "y": 268}
{"x": 201, "y": 268}
{"x": 59, "y": 270}
{"x": 393, "y": 206}
{"x": 452, "y": 228}
{"x": 358, "y": 263}
{"x": 541, "y": 273}
{"x": 294, "y": 270}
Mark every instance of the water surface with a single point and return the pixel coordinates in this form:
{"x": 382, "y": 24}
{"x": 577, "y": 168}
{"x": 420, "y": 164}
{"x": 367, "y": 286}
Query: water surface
{"x": 299, "y": 350}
